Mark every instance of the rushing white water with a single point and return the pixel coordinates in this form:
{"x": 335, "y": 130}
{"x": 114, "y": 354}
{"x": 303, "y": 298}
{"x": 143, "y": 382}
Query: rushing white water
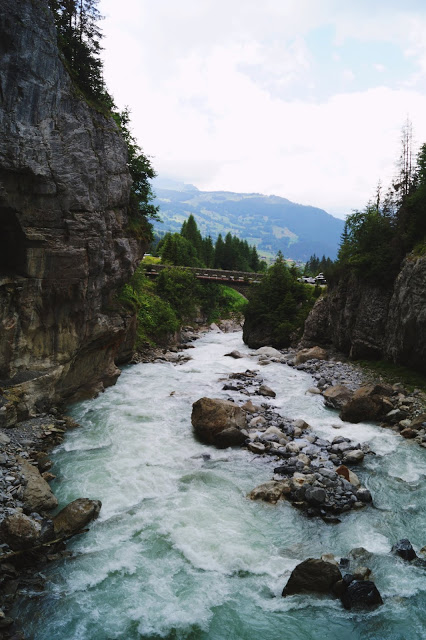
{"x": 179, "y": 552}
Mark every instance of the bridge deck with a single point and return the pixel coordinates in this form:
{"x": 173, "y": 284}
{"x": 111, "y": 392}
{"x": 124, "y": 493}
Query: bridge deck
{"x": 243, "y": 278}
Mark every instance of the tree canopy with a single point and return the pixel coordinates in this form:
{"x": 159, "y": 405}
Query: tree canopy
{"x": 188, "y": 248}
{"x": 376, "y": 239}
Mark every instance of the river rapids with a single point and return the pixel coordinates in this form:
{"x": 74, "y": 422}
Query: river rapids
{"x": 180, "y": 553}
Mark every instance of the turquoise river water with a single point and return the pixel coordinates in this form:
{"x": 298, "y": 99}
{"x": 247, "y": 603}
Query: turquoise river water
{"x": 179, "y": 552}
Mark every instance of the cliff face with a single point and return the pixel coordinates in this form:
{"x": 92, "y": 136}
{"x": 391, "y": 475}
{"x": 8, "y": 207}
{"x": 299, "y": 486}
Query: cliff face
{"x": 374, "y": 322}
{"x": 64, "y": 244}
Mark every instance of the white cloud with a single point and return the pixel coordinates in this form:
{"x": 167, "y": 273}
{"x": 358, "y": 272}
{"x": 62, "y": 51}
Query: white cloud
{"x": 210, "y": 86}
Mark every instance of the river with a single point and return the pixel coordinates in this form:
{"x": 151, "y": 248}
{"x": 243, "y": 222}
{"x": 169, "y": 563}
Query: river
{"x": 179, "y": 552}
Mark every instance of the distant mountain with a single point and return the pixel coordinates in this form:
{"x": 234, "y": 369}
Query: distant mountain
{"x": 269, "y": 222}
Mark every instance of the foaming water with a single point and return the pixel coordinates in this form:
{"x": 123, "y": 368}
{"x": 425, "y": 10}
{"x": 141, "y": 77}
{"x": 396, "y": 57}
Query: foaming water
{"x": 178, "y": 552}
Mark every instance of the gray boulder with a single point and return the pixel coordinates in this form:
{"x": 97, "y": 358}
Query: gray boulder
{"x": 218, "y": 422}
{"x": 337, "y": 396}
{"x": 75, "y": 516}
{"x": 312, "y": 576}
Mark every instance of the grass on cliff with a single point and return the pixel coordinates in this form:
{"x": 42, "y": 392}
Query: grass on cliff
{"x": 392, "y": 373}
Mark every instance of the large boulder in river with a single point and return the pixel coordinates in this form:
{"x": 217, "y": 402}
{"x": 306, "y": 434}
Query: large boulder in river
{"x": 404, "y": 549}
{"x": 337, "y": 396}
{"x": 218, "y": 422}
{"x": 359, "y": 594}
{"x": 75, "y": 516}
{"x": 311, "y": 575}
{"x": 269, "y": 352}
{"x": 37, "y": 495}
{"x": 22, "y": 532}
{"x": 367, "y": 403}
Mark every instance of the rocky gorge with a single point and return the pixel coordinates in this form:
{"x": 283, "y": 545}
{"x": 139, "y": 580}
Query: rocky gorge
{"x": 66, "y": 246}
{"x": 323, "y": 474}
{"x": 374, "y": 321}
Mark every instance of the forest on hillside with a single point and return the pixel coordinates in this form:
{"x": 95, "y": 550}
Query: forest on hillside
{"x": 190, "y": 249}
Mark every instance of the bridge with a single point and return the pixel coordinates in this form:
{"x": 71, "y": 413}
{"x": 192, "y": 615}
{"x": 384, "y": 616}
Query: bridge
{"x": 238, "y": 280}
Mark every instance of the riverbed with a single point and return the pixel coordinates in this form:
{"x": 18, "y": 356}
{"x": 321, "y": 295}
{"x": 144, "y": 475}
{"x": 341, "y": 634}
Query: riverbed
{"x": 179, "y": 552}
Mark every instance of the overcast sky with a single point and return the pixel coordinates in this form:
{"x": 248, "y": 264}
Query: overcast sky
{"x": 299, "y": 98}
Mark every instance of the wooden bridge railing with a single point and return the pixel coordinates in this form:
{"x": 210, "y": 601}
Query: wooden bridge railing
{"x": 243, "y": 278}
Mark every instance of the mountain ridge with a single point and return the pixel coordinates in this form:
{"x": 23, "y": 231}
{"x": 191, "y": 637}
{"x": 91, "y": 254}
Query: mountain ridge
{"x": 272, "y": 223}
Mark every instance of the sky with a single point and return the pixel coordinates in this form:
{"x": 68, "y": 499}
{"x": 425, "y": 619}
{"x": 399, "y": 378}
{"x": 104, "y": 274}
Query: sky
{"x": 303, "y": 99}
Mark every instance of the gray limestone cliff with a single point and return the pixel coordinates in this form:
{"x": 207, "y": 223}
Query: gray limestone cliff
{"x": 366, "y": 321}
{"x": 65, "y": 245}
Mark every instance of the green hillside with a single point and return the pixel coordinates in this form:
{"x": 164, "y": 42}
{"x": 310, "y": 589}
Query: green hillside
{"x": 269, "y": 222}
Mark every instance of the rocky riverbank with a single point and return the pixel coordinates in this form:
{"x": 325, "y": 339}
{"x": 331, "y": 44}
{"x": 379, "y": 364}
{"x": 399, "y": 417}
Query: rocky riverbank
{"x": 30, "y": 536}
{"x": 314, "y": 474}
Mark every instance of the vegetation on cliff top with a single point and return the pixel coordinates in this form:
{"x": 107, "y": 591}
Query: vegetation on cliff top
{"x": 376, "y": 239}
{"x": 278, "y": 307}
{"x": 79, "y": 41}
{"x": 174, "y": 299}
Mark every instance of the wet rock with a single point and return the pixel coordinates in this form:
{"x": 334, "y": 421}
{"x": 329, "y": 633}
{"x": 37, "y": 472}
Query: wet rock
{"x": 409, "y": 433}
{"x": 359, "y": 554}
{"x": 256, "y": 447}
{"x": 404, "y": 549}
{"x": 312, "y": 576}
{"x": 362, "y": 573}
{"x": 37, "y": 495}
{"x": 363, "y": 495}
{"x": 366, "y": 404}
{"x": 361, "y": 594}
{"x": 315, "y": 496}
{"x": 250, "y": 407}
{"x": 235, "y": 354}
{"x": 354, "y": 456}
{"x": 218, "y": 422}
{"x": 349, "y": 475}
{"x": 329, "y": 557}
{"x": 20, "y": 531}
{"x": 301, "y": 424}
{"x": 270, "y": 491}
{"x": 75, "y": 516}
{"x": 337, "y": 396}
{"x": 266, "y": 391}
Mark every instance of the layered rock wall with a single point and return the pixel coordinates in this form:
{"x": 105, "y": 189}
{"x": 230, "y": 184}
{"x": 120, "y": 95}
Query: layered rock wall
{"x": 65, "y": 247}
{"x": 367, "y": 321}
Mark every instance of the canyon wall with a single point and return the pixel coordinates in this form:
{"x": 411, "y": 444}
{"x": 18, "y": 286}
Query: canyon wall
{"x": 379, "y": 322}
{"x": 65, "y": 245}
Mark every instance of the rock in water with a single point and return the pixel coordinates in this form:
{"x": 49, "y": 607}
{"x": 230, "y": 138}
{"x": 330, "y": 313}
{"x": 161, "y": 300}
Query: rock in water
{"x": 218, "y": 422}
{"x": 266, "y": 391}
{"x": 336, "y": 397}
{"x": 366, "y": 404}
{"x": 270, "y": 491}
{"x": 361, "y": 594}
{"x": 404, "y": 549}
{"x": 311, "y": 575}
{"x": 270, "y": 352}
{"x": 75, "y": 516}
